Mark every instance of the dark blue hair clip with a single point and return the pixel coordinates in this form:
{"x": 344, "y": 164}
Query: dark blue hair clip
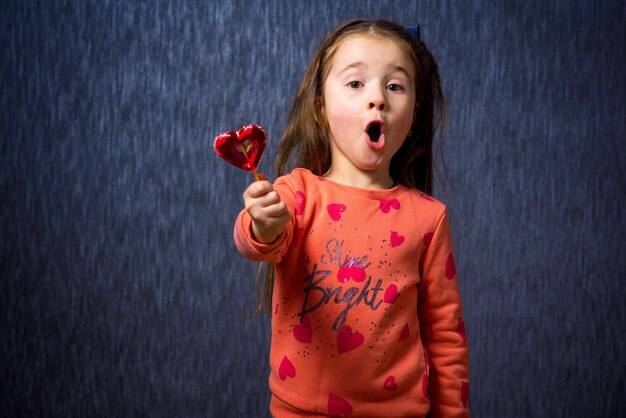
{"x": 415, "y": 32}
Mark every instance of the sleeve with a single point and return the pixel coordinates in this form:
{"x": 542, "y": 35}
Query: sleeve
{"x": 272, "y": 252}
{"x": 442, "y": 327}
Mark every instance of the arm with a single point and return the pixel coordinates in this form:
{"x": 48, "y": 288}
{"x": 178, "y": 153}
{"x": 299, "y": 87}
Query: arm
{"x": 442, "y": 328}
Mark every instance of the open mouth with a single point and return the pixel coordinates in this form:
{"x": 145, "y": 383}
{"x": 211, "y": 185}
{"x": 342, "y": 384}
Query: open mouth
{"x": 374, "y": 130}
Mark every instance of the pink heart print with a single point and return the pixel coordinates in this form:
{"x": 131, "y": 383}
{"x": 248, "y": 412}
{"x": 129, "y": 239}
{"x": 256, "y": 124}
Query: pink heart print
{"x": 425, "y": 386}
{"x": 303, "y": 332}
{"x": 405, "y": 332}
{"x": 460, "y": 329}
{"x": 348, "y": 340}
{"x": 396, "y": 239}
{"x": 335, "y": 210}
{"x": 464, "y": 392}
{"x": 300, "y": 202}
{"x": 355, "y": 273}
{"x": 387, "y": 205}
{"x": 391, "y": 294}
{"x": 390, "y": 383}
{"x": 286, "y": 369}
{"x": 338, "y": 406}
{"x": 428, "y": 237}
{"x": 426, "y": 197}
{"x": 450, "y": 267}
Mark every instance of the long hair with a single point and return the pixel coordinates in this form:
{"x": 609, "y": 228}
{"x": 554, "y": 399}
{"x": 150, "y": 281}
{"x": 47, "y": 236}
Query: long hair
{"x": 306, "y": 140}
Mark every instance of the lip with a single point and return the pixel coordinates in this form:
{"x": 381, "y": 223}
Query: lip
{"x": 380, "y": 144}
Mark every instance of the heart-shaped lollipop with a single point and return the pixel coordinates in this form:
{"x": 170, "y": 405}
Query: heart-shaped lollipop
{"x": 243, "y": 148}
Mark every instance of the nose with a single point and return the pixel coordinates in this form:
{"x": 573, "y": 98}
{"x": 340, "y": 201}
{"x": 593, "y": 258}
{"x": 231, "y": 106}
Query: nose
{"x": 377, "y": 100}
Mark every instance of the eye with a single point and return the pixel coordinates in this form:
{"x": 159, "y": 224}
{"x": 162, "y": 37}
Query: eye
{"x": 354, "y": 84}
{"x": 395, "y": 87}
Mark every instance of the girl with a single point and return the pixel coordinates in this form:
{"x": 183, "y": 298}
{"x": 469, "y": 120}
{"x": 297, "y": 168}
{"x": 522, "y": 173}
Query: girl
{"x": 366, "y": 312}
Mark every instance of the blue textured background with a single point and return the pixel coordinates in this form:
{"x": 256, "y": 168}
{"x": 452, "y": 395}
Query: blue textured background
{"x": 121, "y": 293}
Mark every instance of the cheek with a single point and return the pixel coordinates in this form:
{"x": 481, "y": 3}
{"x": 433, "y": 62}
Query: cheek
{"x": 339, "y": 119}
{"x": 407, "y": 120}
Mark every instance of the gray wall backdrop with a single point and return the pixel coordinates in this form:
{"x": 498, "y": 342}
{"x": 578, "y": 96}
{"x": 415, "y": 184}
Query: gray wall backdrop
{"x": 121, "y": 292}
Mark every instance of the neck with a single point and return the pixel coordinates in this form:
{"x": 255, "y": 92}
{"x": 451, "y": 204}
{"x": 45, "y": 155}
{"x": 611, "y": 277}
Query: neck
{"x": 361, "y": 179}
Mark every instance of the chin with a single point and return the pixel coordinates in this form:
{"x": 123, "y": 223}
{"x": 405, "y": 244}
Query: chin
{"x": 370, "y": 166}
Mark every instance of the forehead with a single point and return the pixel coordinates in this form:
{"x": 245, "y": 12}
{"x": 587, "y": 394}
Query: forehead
{"x": 370, "y": 49}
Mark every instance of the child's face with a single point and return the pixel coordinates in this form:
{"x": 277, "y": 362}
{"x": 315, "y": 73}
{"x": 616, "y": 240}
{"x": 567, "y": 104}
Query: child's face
{"x": 370, "y": 82}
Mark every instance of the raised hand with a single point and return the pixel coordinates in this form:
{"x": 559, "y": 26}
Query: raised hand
{"x": 269, "y": 213}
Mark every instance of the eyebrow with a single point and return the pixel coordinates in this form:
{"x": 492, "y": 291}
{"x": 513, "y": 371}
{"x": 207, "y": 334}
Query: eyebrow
{"x": 358, "y": 64}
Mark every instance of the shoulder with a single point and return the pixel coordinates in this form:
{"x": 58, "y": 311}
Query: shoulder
{"x": 296, "y": 186}
{"x": 425, "y": 204}
{"x": 299, "y": 179}
{"x": 424, "y": 211}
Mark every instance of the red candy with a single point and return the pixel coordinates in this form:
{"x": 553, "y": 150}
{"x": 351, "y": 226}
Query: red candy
{"x": 243, "y": 148}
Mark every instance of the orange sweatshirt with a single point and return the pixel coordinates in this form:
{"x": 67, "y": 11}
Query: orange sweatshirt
{"x": 366, "y": 309}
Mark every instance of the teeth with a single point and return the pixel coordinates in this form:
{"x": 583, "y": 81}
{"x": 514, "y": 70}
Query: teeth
{"x": 374, "y": 132}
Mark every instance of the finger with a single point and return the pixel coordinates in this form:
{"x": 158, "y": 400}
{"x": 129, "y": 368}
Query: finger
{"x": 262, "y": 208}
{"x": 277, "y": 210}
{"x": 269, "y": 199}
{"x": 258, "y": 189}
{"x": 283, "y": 219}
{"x": 271, "y": 222}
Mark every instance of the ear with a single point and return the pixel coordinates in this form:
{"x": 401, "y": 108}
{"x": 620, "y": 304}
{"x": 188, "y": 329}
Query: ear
{"x": 319, "y": 103}
{"x": 319, "y": 107}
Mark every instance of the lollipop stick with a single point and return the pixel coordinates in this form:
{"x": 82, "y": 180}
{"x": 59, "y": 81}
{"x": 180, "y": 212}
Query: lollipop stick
{"x": 245, "y": 154}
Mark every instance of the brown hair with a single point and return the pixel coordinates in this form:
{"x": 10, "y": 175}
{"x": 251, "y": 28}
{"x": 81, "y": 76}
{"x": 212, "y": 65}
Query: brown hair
{"x": 306, "y": 140}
